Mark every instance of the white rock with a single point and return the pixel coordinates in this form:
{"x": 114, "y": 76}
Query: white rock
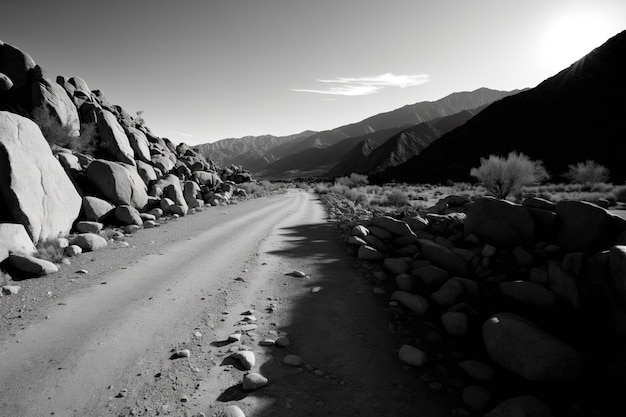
{"x": 11, "y": 289}
{"x": 231, "y": 411}
{"x": 253, "y": 381}
{"x": 245, "y": 357}
{"x": 184, "y": 353}
{"x": 267, "y": 342}
{"x": 235, "y": 337}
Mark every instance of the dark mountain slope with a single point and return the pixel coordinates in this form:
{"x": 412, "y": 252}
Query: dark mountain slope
{"x": 372, "y": 157}
{"x": 408, "y": 115}
{"x": 314, "y": 162}
{"x": 576, "y": 115}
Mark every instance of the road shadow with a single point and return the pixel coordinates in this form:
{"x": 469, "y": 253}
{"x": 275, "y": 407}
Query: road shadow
{"x": 350, "y": 365}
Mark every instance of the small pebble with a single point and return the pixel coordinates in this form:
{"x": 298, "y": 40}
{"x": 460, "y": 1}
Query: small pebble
{"x": 184, "y": 353}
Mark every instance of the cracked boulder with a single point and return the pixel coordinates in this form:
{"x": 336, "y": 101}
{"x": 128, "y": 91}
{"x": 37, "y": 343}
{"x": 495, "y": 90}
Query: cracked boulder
{"x": 35, "y": 191}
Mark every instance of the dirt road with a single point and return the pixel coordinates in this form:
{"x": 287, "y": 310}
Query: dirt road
{"x": 105, "y": 350}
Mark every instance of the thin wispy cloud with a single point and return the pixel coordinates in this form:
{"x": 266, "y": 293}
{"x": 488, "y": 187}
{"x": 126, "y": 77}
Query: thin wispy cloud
{"x": 362, "y": 86}
{"x": 189, "y": 135}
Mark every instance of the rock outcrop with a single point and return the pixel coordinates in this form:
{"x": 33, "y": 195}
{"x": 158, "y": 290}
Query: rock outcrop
{"x": 34, "y": 188}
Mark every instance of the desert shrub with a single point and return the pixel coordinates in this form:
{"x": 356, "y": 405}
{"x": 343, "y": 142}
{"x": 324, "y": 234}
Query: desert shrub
{"x": 503, "y": 176}
{"x": 64, "y": 135}
{"x": 50, "y": 250}
{"x": 262, "y": 188}
{"x": 139, "y": 120}
{"x": 321, "y": 188}
{"x": 602, "y": 187}
{"x": 397, "y": 198}
{"x": 354, "y": 180}
{"x": 110, "y": 232}
{"x": 356, "y": 195}
{"x": 587, "y": 173}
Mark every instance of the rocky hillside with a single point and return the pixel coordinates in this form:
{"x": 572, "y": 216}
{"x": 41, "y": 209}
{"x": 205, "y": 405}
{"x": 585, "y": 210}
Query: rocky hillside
{"x": 292, "y": 145}
{"x": 72, "y": 163}
{"x": 576, "y": 115}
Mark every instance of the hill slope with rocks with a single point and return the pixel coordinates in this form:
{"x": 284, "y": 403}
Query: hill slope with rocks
{"x": 72, "y": 162}
{"x": 574, "y": 116}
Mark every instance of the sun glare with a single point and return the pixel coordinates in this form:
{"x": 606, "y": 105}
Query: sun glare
{"x": 572, "y": 36}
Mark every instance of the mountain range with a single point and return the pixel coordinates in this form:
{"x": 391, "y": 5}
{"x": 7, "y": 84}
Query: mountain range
{"x": 576, "y": 115}
{"x": 317, "y": 153}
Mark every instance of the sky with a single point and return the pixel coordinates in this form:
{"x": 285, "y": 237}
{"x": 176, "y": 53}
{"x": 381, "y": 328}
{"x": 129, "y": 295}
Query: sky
{"x": 204, "y": 70}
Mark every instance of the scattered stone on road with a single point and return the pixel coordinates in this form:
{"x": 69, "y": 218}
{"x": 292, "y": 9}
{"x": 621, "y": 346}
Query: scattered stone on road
{"x": 245, "y": 357}
{"x": 253, "y": 381}
{"x": 235, "y": 337}
{"x": 183, "y": 353}
{"x": 231, "y": 411}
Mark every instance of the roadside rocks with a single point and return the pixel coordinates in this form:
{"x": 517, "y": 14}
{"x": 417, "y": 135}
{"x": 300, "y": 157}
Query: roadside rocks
{"x": 31, "y": 265}
{"x": 502, "y": 295}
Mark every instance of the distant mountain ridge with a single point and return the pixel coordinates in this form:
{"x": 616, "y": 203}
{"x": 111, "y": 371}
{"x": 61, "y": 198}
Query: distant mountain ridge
{"x": 575, "y": 115}
{"x": 267, "y": 155}
{"x": 250, "y": 151}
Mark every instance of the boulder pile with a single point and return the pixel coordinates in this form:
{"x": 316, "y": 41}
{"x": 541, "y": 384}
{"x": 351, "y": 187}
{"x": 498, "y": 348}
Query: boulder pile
{"x": 518, "y": 309}
{"x": 73, "y": 163}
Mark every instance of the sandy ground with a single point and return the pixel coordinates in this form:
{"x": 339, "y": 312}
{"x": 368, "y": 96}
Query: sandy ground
{"x": 100, "y": 343}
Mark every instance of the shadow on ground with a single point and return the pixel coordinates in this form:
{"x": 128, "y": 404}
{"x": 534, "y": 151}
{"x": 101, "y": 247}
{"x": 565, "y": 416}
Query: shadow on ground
{"x": 350, "y": 365}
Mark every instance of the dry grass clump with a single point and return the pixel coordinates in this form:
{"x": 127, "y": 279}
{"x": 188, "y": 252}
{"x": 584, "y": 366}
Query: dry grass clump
{"x": 50, "y": 250}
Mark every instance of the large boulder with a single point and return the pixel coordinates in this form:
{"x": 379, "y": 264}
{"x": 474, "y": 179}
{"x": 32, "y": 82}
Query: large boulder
{"x": 15, "y": 64}
{"x": 529, "y": 351}
{"x": 79, "y": 85}
{"x": 500, "y": 223}
{"x": 59, "y": 107}
{"x": 15, "y": 240}
{"x": 34, "y": 189}
{"x": 113, "y": 137}
{"x": 95, "y": 208}
{"x": 146, "y": 172}
{"x": 170, "y": 184}
{"x": 210, "y": 179}
{"x": 118, "y": 183}
{"x": 442, "y": 257}
{"x": 585, "y": 227}
{"x": 32, "y": 265}
{"x": 163, "y": 163}
{"x": 139, "y": 143}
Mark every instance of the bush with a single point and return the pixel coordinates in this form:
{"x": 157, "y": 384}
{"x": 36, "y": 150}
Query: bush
{"x": 397, "y": 198}
{"x": 64, "y": 135}
{"x": 587, "y": 173}
{"x": 354, "y": 180}
{"x": 503, "y": 176}
{"x": 50, "y": 250}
